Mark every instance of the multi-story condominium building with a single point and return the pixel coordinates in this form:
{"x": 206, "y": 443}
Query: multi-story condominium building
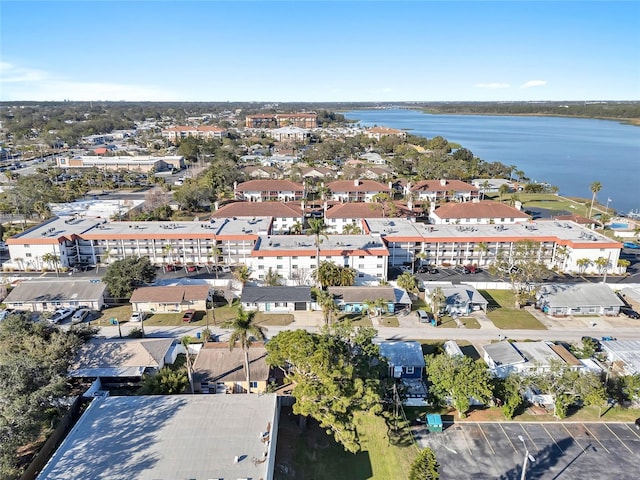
{"x": 435, "y": 190}
{"x": 300, "y": 120}
{"x": 561, "y": 244}
{"x": 474, "y": 213}
{"x": 285, "y": 215}
{"x": 294, "y": 257}
{"x": 380, "y": 132}
{"x": 135, "y": 163}
{"x": 356, "y": 190}
{"x": 205, "y": 132}
{"x": 269, "y": 190}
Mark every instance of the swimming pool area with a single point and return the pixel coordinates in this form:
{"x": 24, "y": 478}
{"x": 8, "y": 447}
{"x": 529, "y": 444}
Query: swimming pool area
{"x": 619, "y": 226}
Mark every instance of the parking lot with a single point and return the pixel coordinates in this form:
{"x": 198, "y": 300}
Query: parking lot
{"x": 561, "y": 450}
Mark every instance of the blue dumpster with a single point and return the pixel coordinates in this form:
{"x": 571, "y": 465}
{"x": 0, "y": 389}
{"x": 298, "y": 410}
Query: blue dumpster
{"x": 434, "y": 422}
{"x": 198, "y": 335}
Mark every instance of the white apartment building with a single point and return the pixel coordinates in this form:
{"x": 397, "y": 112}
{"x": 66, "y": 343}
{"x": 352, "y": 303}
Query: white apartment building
{"x": 356, "y": 190}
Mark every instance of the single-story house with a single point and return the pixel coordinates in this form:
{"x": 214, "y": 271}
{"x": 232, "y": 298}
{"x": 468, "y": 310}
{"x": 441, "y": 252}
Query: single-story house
{"x": 561, "y": 299}
{"x": 625, "y": 353}
{"x": 220, "y": 370}
{"x": 170, "y": 437}
{"x": 116, "y": 360}
{"x": 407, "y": 364}
{"x": 47, "y": 296}
{"x": 276, "y": 299}
{"x": 170, "y": 299}
{"x": 459, "y": 299}
{"x": 524, "y": 358}
{"x": 354, "y": 299}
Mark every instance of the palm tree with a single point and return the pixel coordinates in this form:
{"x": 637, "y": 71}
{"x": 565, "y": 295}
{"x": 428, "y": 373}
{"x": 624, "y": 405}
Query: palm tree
{"x": 595, "y": 188}
{"x": 272, "y": 278}
{"x": 407, "y": 282}
{"x": 483, "y": 248}
{"x": 583, "y": 264}
{"x": 185, "y": 341}
{"x": 243, "y": 330}
{"x": 437, "y": 301}
{"x": 602, "y": 264}
{"x": 503, "y": 190}
{"x": 376, "y": 307}
{"x": 296, "y": 228}
{"x": 53, "y": 260}
{"x": 327, "y": 304}
{"x": 485, "y": 186}
{"x": 242, "y": 274}
{"x": 318, "y": 229}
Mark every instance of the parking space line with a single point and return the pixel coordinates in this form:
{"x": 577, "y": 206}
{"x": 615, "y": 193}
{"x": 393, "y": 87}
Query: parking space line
{"x": 505, "y": 434}
{"x": 574, "y": 438}
{"x": 619, "y": 439}
{"x": 527, "y": 433}
{"x": 632, "y": 430}
{"x": 485, "y": 437}
{"x": 551, "y": 437}
{"x": 595, "y": 438}
{"x": 466, "y": 442}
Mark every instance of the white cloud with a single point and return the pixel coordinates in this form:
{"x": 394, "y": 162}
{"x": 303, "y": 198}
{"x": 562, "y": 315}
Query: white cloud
{"x": 492, "y": 85}
{"x": 18, "y": 83}
{"x": 534, "y": 83}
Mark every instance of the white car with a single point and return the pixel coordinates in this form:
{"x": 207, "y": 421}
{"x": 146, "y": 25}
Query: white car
{"x": 137, "y": 317}
{"x": 61, "y": 314}
{"x": 80, "y": 316}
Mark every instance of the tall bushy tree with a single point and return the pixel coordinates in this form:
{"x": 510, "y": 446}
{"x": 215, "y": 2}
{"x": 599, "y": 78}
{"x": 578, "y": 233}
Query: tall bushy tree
{"x": 336, "y": 373}
{"x": 243, "y": 331}
{"x": 458, "y": 379}
{"x": 425, "y": 466}
{"x": 123, "y": 276}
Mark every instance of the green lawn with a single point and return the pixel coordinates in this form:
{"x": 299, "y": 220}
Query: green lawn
{"x": 311, "y": 454}
{"x": 502, "y": 313}
{"x": 448, "y": 322}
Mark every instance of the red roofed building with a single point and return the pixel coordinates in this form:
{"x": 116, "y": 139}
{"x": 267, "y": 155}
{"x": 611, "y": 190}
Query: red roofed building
{"x": 269, "y": 190}
{"x": 285, "y": 215}
{"x": 434, "y": 190}
{"x": 174, "y": 134}
{"x": 356, "y": 190}
{"x": 476, "y": 213}
{"x": 380, "y": 132}
{"x": 344, "y": 215}
{"x": 300, "y": 120}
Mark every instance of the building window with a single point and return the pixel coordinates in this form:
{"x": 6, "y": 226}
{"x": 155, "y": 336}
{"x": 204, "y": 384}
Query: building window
{"x": 408, "y": 370}
{"x": 279, "y": 267}
{"x": 294, "y": 267}
{"x": 260, "y": 267}
{"x": 379, "y": 265}
{"x": 294, "y": 258}
{"x": 360, "y": 275}
{"x": 261, "y": 277}
{"x": 28, "y": 254}
{"x": 361, "y": 265}
{"x": 254, "y": 384}
{"x": 260, "y": 258}
{"x": 278, "y": 258}
{"x": 379, "y": 256}
{"x": 361, "y": 257}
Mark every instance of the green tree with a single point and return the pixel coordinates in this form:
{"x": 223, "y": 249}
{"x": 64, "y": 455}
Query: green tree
{"x": 272, "y": 278}
{"x": 437, "y": 299}
{"x": 425, "y": 466}
{"x": 458, "y": 378}
{"x": 328, "y": 305}
{"x": 407, "y": 282}
{"x": 318, "y": 229}
{"x": 503, "y": 190}
{"x": 602, "y": 264}
{"x": 595, "y": 187}
{"x": 583, "y": 264}
{"x": 523, "y": 267}
{"x": 242, "y": 274}
{"x": 243, "y": 331}
{"x": 509, "y": 391}
{"x": 164, "y": 382}
{"x": 328, "y": 274}
{"x": 53, "y": 260}
{"x": 336, "y": 374}
{"x": 34, "y": 358}
{"x": 123, "y": 276}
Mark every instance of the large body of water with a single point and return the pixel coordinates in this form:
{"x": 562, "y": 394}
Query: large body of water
{"x": 570, "y": 153}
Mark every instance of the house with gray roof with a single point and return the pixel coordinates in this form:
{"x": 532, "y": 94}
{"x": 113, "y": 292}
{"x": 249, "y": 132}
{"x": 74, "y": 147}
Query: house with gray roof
{"x": 459, "y": 299}
{"x": 525, "y": 358}
{"x": 354, "y": 299}
{"x": 407, "y": 365}
{"x": 562, "y": 299}
{"x": 276, "y": 299}
{"x": 44, "y": 296}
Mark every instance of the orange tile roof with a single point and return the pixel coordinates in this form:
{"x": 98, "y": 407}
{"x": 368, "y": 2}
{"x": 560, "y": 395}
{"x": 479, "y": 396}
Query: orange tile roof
{"x": 270, "y": 186}
{"x": 342, "y": 186}
{"x": 258, "y": 209}
{"x": 484, "y": 209}
{"x": 435, "y": 186}
{"x": 364, "y": 210}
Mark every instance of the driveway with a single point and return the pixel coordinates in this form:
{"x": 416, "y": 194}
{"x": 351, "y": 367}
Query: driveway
{"x": 566, "y": 450}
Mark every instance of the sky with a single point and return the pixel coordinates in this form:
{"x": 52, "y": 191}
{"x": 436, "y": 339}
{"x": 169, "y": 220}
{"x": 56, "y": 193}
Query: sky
{"x": 319, "y": 51}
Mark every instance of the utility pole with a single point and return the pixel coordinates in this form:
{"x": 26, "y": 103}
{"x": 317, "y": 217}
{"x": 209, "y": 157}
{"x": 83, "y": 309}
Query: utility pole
{"x": 527, "y": 457}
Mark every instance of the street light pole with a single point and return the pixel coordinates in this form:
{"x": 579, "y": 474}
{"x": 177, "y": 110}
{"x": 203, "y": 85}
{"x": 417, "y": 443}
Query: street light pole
{"x": 527, "y": 457}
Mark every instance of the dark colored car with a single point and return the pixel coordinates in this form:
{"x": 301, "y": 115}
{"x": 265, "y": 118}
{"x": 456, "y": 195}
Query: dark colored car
{"x": 188, "y": 315}
{"x": 427, "y": 269}
{"x": 629, "y": 312}
{"x": 638, "y": 423}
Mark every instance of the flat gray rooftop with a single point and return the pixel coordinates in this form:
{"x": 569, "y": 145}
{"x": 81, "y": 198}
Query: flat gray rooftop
{"x": 168, "y": 438}
{"x": 330, "y": 243}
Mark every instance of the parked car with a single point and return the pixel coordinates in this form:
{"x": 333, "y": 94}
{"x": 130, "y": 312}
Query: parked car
{"x": 424, "y": 316}
{"x": 637, "y": 423}
{"x": 188, "y": 315}
{"x": 137, "y": 317}
{"x": 462, "y": 270}
{"x": 629, "y": 312}
{"x": 61, "y": 314}
{"x": 427, "y": 269}
{"x": 80, "y": 316}
{"x": 633, "y": 246}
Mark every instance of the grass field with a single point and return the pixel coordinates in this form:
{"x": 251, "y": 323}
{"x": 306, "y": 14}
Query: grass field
{"x": 502, "y": 313}
{"x": 311, "y": 454}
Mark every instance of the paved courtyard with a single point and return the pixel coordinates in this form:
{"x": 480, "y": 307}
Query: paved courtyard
{"x": 569, "y": 450}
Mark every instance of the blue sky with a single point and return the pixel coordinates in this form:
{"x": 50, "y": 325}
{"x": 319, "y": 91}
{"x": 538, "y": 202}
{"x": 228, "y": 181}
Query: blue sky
{"x": 319, "y": 51}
